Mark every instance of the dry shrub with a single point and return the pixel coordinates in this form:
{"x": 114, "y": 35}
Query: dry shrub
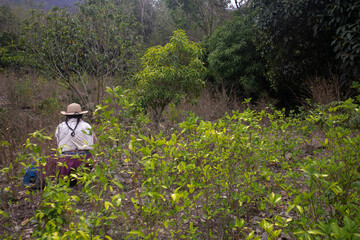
{"x": 265, "y": 102}
{"x": 323, "y": 91}
{"x": 27, "y": 103}
{"x": 210, "y": 106}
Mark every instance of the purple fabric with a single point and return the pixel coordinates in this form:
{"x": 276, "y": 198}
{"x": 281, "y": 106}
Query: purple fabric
{"x": 53, "y": 170}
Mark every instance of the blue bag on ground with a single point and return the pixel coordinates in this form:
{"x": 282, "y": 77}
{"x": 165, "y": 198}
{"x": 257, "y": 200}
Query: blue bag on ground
{"x": 31, "y": 174}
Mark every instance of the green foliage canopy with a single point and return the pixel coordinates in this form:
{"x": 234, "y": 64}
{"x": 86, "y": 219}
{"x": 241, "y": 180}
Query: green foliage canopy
{"x": 6, "y": 20}
{"x": 9, "y": 33}
{"x": 100, "y": 41}
{"x": 305, "y": 39}
{"x": 170, "y": 73}
{"x": 234, "y": 60}
{"x": 198, "y": 15}
{"x": 343, "y": 16}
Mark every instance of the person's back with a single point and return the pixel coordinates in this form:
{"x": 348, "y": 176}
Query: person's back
{"x": 75, "y": 138}
{"x": 74, "y": 134}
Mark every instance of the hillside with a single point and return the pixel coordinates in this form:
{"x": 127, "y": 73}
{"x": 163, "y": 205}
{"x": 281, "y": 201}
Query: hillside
{"x": 36, "y": 4}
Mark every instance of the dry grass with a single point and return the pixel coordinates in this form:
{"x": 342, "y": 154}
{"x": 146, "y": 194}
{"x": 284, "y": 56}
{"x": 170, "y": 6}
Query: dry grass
{"x": 211, "y": 105}
{"x": 323, "y": 91}
{"x": 28, "y": 103}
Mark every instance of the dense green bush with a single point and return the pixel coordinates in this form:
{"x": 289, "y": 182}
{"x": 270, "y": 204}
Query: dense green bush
{"x": 233, "y": 60}
{"x": 304, "y": 40}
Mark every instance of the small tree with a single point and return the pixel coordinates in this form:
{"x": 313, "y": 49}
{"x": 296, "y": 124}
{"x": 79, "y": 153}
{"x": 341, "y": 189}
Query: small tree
{"x": 99, "y": 41}
{"x": 170, "y": 73}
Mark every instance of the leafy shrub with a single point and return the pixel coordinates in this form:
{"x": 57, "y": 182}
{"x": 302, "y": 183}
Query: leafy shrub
{"x": 225, "y": 179}
{"x": 234, "y": 61}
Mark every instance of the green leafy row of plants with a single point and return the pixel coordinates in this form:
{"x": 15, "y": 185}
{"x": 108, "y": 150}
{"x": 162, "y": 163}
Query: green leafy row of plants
{"x": 294, "y": 176}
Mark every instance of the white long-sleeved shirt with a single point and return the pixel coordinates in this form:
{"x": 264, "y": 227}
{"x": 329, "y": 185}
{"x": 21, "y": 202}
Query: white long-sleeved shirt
{"x": 83, "y": 139}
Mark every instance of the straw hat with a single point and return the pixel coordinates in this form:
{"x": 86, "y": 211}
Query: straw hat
{"x": 73, "y": 109}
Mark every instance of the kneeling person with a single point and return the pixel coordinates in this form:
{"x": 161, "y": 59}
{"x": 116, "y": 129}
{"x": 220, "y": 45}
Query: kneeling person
{"x": 74, "y": 138}
{"x": 74, "y": 135}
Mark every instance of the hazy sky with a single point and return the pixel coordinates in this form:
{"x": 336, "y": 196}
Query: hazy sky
{"x": 233, "y": 2}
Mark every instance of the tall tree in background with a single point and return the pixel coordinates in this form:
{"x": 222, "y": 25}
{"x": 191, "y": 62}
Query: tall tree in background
{"x": 344, "y": 18}
{"x": 305, "y": 39}
{"x": 155, "y": 20}
{"x": 112, "y": 40}
{"x": 7, "y": 35}
{"x": 99, "y": 41}
{"x": 145, "y": 13}
{"x": 233, "y": 60}
{"x": 10, "y": 24}
{"x": 195, "y": 15}
{"x": 242, "y": 5}
{"x": 7, "y": 25}
{"x": 162, "y": 25}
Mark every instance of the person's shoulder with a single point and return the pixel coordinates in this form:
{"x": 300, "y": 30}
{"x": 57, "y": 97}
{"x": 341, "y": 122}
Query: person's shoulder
{"x": 85, "y": 124}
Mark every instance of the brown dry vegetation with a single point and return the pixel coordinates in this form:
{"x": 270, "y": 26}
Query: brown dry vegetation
{"x": 28, "y": 103}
